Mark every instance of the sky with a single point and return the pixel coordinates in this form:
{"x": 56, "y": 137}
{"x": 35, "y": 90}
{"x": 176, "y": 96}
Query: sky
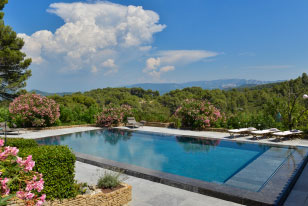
{"x": 83, "y": 45}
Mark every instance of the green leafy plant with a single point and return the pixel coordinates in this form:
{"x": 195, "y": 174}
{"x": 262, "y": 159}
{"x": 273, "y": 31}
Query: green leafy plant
{"x": 21, "y": 143}
{"x": 109, "y": 180}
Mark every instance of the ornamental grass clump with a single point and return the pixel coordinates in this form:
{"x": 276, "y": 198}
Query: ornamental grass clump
{"x": 197, "y": 114}
{"x": 113, "y": 115}
{"x": 109, "y": 181}
{"x": 32, "y": 110}
{"x": 17, "y": 178}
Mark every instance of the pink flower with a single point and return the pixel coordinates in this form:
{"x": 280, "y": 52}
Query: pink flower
{"x": 1, "y": 142}
{"x": 28, "y": 164}
{"x": 5, "y": 190}
{"x": 25, "y": 195}
{"x": 41, "y": 200}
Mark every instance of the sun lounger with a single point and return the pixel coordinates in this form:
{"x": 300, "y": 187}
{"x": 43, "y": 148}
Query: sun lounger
{"x": 131, "y": 122}
{"x": 264, "y": 133}
{"x": 5, "y": 129}
{"x": 289, "y": 134}
{"x": 242, "y": 131}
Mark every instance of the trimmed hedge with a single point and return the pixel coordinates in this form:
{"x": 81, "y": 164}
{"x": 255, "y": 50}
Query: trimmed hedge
{"x": 21, "y": 143}
{"x": 57, "y": 164}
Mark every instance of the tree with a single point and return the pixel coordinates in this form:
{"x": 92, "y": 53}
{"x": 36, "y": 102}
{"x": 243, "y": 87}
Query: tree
{"x": 13, "y": 64}
{"x": 289, "y": 102}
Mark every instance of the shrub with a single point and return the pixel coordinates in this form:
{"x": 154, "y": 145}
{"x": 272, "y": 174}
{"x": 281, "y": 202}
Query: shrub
{"x": 34, "y": 110}
{"x": 21, "y": 143}
{"x": 4, "y": 114}
{"x": 109, "y": 181}
{"x": 57, "y": 164}
{"x": 113, "y": 115}
{"x": 197, "y": 114}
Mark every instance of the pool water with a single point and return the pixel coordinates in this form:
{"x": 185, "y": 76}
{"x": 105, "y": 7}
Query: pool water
{"x": 218, "y": 161}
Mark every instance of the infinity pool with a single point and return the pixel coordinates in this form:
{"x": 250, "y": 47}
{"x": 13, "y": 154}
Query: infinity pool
{"x": 241, "y": 165}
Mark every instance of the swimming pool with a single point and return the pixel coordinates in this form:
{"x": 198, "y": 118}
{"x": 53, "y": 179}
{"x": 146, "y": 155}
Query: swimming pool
{"x": 243, "y": 166}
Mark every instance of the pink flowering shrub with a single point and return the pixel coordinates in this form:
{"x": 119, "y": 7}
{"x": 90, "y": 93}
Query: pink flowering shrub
{"x": 14, "y": 169}
{"x": 113, "y": 115}
{"x": 198, "y": 114}
{"x": 32, "y": 110}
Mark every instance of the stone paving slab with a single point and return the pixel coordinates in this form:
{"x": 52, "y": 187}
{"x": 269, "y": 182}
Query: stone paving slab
{"x": 36, "y": 134}
{"x": 148, "y": 193}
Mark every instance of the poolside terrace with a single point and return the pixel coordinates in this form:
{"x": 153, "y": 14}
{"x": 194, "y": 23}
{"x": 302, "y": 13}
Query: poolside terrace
{"x": 150, "y": 193}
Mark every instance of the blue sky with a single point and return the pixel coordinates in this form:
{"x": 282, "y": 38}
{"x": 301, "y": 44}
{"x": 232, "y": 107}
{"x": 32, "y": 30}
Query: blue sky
{"x": 82, "y": 45}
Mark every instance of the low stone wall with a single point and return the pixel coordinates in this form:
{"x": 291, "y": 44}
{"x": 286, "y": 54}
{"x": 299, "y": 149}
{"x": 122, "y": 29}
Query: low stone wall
{"x": 157, "y": 124}
{"x": 119, "y": 197}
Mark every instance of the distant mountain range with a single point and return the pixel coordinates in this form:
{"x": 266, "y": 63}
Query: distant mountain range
{"x": 50, "y": 94}
{"x": 167, "y": 87}
{"x": 213, "y": 84}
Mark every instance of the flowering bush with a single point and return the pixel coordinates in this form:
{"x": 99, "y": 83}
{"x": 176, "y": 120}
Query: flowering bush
{"x": 14, "y": 169}
{"x": 197, "y": 114}
{"x": 113, "y": 115}
{"x": 34, "y": 110}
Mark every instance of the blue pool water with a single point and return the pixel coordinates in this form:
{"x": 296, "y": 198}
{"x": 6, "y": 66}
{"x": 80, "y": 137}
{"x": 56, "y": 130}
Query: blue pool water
{"x": 203, "y": 159}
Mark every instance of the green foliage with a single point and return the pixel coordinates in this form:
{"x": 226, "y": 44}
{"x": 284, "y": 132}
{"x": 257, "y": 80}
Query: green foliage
{"x": 21, "y": 143}
{"x": 152, "y": 111}
{"x": 13, "y": 65}
{"x": 57, "y": 164}
{"x": 76, "y": 109}
{"x": 109, "y": 181}
{"x": 81, "y": 188}
{"x": 4, "y": 114}
{"x": 249, "y": 106}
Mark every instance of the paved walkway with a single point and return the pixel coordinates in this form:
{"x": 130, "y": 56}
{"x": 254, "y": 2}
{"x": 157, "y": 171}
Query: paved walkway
{"x": 35, "y": 134}
{"x": 147, "y": 193}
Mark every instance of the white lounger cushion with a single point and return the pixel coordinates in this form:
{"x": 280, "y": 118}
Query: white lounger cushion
{"x": 265, "y": 131}
{"x": 287, "y": 133}
{"x": 242, "y": 130}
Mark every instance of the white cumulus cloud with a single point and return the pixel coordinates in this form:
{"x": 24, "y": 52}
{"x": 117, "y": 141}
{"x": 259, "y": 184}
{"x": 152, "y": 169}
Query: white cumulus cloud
{"x": 94, "y": 35}
{"x": 167, "y": 60}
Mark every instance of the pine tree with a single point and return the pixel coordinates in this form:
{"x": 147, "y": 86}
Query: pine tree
{"x": 13, "y": 62}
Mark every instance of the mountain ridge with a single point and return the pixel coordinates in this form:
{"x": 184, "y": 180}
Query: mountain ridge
{"x": 163, "y": 88}
{"x": 211, "y": 84}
